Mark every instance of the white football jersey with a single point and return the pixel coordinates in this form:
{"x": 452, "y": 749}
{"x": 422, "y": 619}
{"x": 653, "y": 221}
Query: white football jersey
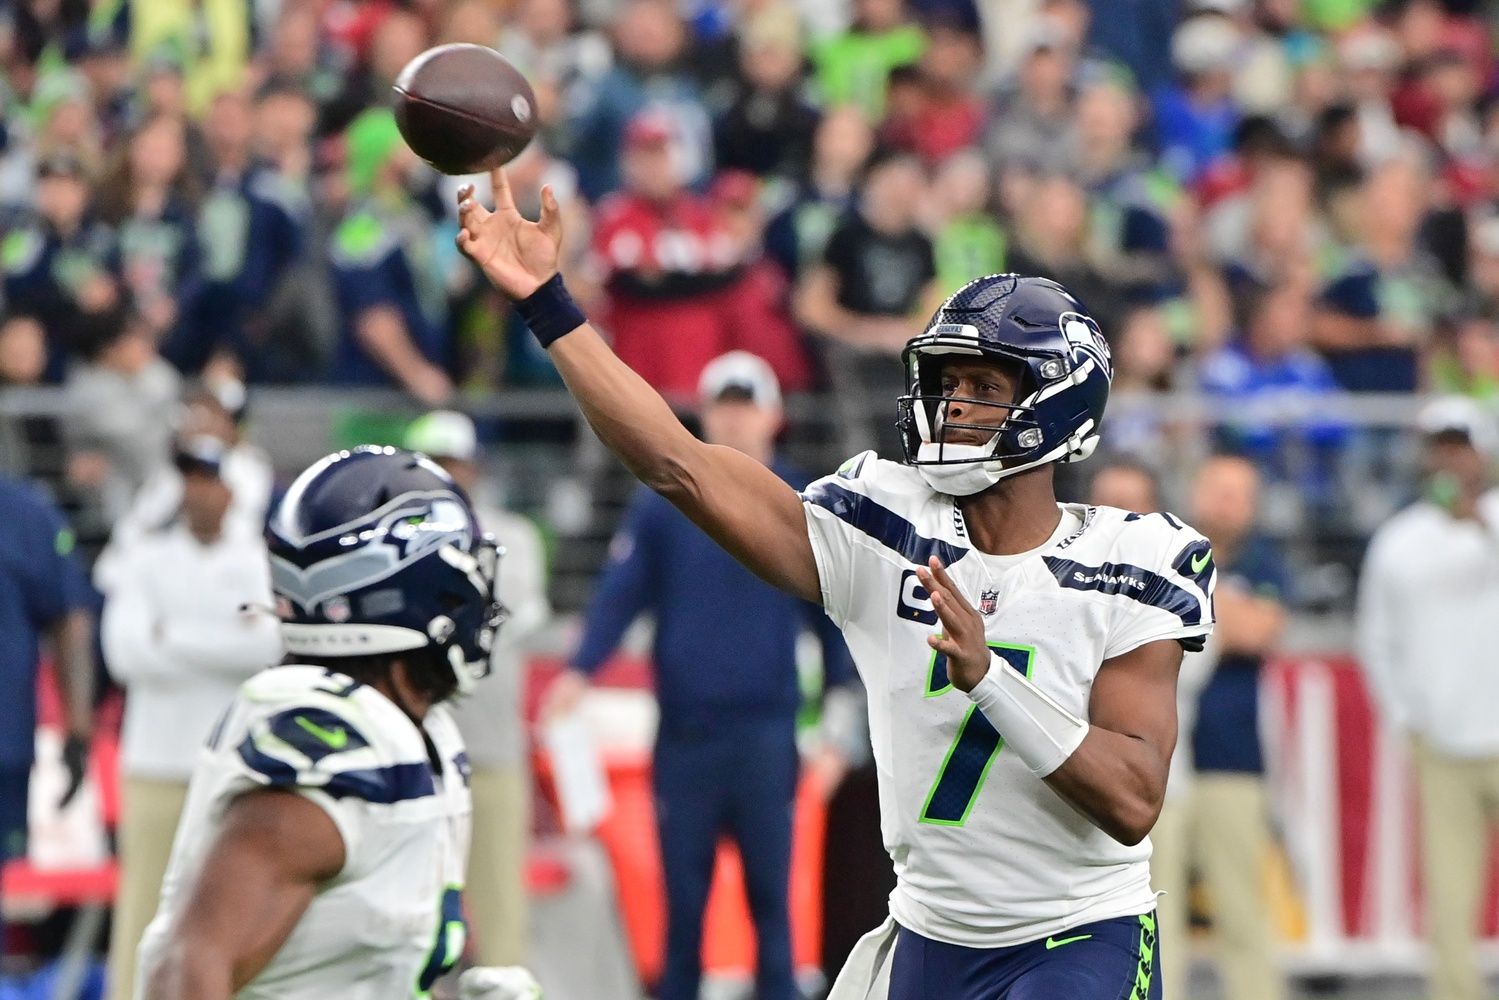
{"x": 986, "y": 854}
{"x": 391, "y": 921}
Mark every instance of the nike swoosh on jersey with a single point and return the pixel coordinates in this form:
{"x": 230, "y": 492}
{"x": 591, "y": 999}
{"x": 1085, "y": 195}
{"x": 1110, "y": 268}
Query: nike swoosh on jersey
{"x": 335, "y": 738}
{"x": 1198, "y": 562}
{"x": 1054, "y": 943}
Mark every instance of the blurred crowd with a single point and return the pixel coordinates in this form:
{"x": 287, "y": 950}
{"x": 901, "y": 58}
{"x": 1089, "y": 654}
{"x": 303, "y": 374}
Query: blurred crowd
{"x": 1252, "y": 196}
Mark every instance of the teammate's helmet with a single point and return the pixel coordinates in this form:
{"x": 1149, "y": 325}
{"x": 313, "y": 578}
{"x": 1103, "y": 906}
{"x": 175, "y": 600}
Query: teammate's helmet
{"x": 1035, "y": 325}
{"x": 376, "y": 551}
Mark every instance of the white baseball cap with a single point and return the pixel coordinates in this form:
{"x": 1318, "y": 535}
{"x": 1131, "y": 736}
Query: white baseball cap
{"x": 1462, "y": 415}
{"x": 741, "y": 371}
{"x": 1205, "y": 42}
{"x": 444, "y": 434}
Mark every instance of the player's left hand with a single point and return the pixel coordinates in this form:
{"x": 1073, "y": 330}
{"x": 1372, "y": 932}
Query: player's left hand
{"x": 962, "y": 639}
{"x": 510, "y": 982}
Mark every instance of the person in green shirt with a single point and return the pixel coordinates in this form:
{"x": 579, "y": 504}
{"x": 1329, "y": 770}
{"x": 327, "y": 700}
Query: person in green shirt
{"x": 852, "y": 67}
{"x": 969, "y": 239}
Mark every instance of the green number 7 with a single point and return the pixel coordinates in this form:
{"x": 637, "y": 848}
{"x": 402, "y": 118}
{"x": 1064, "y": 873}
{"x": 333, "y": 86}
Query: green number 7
{"x": 975, "y": 747}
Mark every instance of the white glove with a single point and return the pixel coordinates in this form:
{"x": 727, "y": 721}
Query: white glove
{"x": 488, "y": 982}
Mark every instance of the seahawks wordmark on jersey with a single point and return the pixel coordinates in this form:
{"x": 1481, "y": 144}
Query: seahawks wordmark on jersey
{"x": 391, "y": 921}
{"x": 986, "y": 854}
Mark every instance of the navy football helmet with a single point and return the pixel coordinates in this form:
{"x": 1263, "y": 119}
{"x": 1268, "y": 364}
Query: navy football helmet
{"x": 1035, "y": 326}
{"x": 376, "y": 551}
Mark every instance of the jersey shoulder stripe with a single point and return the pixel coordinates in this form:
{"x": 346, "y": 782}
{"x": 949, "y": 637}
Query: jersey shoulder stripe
{"x": 881, "y": 523}
{"x": 381, "y": 785}
{"x": 1125, "y": 580}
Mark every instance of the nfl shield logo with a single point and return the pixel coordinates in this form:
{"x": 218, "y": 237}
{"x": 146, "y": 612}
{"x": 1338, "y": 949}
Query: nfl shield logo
{"x": 989, "y": 602}
{"x": 337, "y": 609}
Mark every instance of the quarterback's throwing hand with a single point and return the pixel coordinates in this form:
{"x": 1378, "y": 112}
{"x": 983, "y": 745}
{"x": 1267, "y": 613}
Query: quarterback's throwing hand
{"x": 518, "y": 256}
{"x": 962, "y": 639}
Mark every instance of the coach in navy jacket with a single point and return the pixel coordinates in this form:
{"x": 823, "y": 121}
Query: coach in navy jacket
{"x": 726, "y": 681}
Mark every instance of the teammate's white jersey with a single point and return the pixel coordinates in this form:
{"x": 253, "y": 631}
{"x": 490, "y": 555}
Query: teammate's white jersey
{"x": 986, "y": 854}
{"x": 391, "y": 921}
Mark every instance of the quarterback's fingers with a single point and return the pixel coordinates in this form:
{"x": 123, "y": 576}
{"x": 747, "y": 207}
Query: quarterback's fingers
{"x": 939, "y": 572}
{"x": 551, "y": 214}
{"x": 465, "y": 192}
{"x": 957, "y": 621}
{"x": 471, "y": 214}
{"x": 503, "y": 198}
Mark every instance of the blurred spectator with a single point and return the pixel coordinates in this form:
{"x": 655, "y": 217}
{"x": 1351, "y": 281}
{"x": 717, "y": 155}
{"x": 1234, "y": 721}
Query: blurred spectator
{"x": 1129, "y": 484}
{"x": 188, "y": 616}
{"x": 23, "y": 351}
{"x": 650, "y": 47}
{"x": 1464, "y": 359}
{"x": 852, "y": 68}
{"x": 214, "y": 40}
{"x": 294, "y": 55}
{"x": 292, "y": 338}
{"x": 1134, "y": 33}
{"x": 1268, "y": 231}
{"x": 726, "y": 759}
{"x": 121, "y": 397}
{"x": 557, "y": 56}
{"x": 57, "y": 261}
{"x": 150, "y": 197}
{"x": 1370, "y": 59}
{"x": 875, "y": 283}
{"x": 490, "y": 716}
{"x": 1375, "y": 314}
{"x": 841, "y": 146}
{"x": 43, "y": 595}
{"x": 1051, "y": 240}
{"x": 768, "y": 127}
{"x": 1269, "y": 372}
{"x": 250, "y": 232}
{"x": 875, "y": 287}
{"x": 1196, "y": 117}
{"x": 216, "y": 409}
{"x": 1426, "y": 611}
{"x": 380, "y": 40}
{"x": 1231, "y": 836}
{"x": 391, "y": 301}
{"x": 1483, "y": 263}
{"x": 665, "y": 261}
{"x": 947, "y": 114}
{"x": 1031, "y": 124}
{"x": 968, "y": 241}
{"x": 760, "y": 306}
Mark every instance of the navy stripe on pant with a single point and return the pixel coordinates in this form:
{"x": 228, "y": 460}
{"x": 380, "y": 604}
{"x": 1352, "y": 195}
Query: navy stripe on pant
{"x": 1107, "y": 960}
{"x": 738, "y": 779}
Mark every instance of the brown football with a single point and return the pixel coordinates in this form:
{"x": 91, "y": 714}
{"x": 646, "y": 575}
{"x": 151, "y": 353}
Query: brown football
{"x": 463, "y": 108}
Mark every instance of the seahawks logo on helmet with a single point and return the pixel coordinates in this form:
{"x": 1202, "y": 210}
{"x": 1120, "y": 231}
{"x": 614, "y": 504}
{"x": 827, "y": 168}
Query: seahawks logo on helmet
{"x": 1086, "y": 342}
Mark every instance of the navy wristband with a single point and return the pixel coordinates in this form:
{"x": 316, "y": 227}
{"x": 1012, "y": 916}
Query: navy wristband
{"x": 550, "y": 312}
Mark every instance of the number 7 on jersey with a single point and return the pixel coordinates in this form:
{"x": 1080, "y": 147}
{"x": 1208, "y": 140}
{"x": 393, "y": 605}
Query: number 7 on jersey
{"x": 973, "y": 750}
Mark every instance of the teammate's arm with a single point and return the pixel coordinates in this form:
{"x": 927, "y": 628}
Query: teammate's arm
{"x": 1113, "y": 765}
{"x": 744, "y": 506}
{"x": 273, "y": 851}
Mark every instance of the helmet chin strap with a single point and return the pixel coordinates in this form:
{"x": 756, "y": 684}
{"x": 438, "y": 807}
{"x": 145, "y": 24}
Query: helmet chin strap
{"x": 963, "y": 479}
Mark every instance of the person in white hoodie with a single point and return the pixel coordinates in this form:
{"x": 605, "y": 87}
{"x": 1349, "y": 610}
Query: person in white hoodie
{"x": 490, "y": 716}
{"x": 1428, "y": 626}
{"x": 188, "y": 616}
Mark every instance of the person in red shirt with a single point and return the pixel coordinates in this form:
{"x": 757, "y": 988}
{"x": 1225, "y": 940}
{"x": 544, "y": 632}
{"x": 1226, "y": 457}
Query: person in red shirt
{"x": 665, "y": 261}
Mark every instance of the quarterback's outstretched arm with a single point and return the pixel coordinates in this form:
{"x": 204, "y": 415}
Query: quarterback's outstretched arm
{"x": 274, "y": 851}
{"x": 744, "y": 506}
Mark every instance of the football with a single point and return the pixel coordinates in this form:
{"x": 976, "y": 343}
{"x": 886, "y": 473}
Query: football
{"x": 463, "y": 108}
